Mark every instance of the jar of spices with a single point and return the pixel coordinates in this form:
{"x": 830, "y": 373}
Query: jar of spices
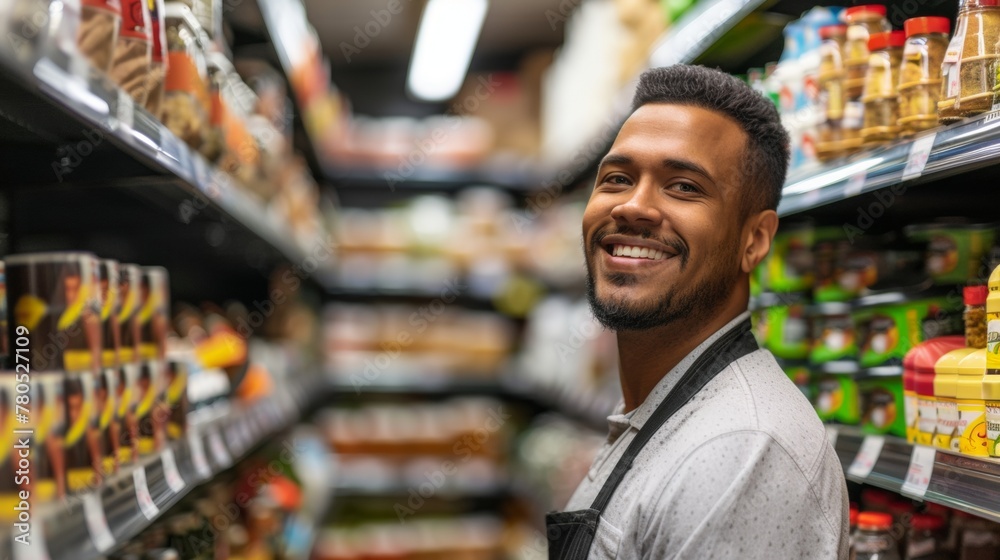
{"x": 186, "y": 104}
{"x": 99, "y": 25}
{"x": 134, "y": 51}
{"x": 920, "y": 75}
{"x": 975, "y": 315}
{"x": 831, "y": 90}
{"x": 862, "y": 22}
{"x": 969, "y": 69}
{"x": 879, "y": 96}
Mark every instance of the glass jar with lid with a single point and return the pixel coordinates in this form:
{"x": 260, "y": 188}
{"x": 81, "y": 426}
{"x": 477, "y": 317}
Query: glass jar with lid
{"x": 158, "y": 64}
{"x": 862, "y": 22}
{"x": 831, "y": 88}
{"x": 969, "y": 69}
{"x": 880, "y": 98}
{"x": 219, "y": 68}
{"x": 186, "y": 104}
{"x": 99, "y": 25}
{"x": 920, "y": 75}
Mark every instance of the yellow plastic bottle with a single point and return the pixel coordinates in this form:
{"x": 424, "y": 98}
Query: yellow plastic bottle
{"x": 991, "y": 381}
{"x": 971, "y": 405}
{"x": 946, "y": 394}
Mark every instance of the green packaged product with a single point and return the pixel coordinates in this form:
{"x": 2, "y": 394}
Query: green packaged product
{"x": 782, "y": 325}
{"x": 789, "y": 265}
{"x": 836, "y": 393}
{"x": 833, "y": 333}
{"x": 830, "y": 251}
{"x": 882, "y": 401}
{"x": 954, "y": 250}
{"x": 890, "y": 324}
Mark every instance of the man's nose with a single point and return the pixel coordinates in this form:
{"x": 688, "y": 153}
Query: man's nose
{"x": 639, "y": 206}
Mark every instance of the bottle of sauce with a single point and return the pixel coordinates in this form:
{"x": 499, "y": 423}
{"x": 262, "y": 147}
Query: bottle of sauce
{"x": 991, "y": 382}
{"x": 946, "y": 395}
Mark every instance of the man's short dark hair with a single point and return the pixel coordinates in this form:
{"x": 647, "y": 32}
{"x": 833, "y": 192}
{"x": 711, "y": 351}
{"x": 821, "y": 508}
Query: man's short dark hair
{"x": 767, "y": 151}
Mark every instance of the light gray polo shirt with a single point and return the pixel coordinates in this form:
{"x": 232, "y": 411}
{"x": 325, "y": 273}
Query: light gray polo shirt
{"x": 744, "y": 470}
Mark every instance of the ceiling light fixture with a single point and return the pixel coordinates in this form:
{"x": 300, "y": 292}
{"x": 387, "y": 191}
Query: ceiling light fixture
{"x": 449, "y": 31}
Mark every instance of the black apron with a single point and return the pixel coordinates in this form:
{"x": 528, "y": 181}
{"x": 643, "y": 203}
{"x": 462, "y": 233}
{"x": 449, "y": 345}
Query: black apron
{"x": 570, "y": 533}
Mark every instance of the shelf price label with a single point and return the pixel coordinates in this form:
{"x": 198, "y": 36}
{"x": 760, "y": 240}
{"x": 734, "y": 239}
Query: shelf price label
{"x": 142, "y": 495}
{"x": 125, "y": 110}
{"x": 97, "y": 523}
{"x": 198, "y": 455}
{"x": 219, "y": 451}
{"x": 864, "y": 461}
{"x": 920, "y": 150}
{"x": 170, "y": 471}
{"x": 918, "y": 476}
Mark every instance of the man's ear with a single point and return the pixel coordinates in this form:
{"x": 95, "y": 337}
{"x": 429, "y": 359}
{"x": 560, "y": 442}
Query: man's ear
{"x": 758, "y": 233}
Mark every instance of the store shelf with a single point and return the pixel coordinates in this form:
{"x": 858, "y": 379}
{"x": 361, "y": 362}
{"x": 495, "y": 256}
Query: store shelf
{"x": 960, "y": 148}
{"x": 64, "y": 111}
{"x": 412, "y": 295}
{"x": 969, "y": 484}
{"x": 590, "y": 410}
{"x": 216, "y": 440}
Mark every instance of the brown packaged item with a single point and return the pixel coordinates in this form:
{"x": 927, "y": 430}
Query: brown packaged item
{"x": 920, "y": 75}
{"x": 880, "y": 97}
{"x": 153, "y": 322}
{"x": 106, "y": 390}
{"x": 134, "y": 51}
{"x": 186, "y": 103}
{"x": 862, "y": 23}
{"x": 969, "y": 68}
{"x": 831, "y": 86}
{"x": 130, "y": 280}
{"x": 158, "y": 67}
{"x": 99, "y": 25}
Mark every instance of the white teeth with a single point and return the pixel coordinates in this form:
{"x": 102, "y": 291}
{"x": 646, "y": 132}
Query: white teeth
{"x": 638, "y": 252}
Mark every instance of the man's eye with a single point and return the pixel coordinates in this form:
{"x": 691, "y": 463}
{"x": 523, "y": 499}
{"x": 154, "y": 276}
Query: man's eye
{"x": 617, "y": 180}
{"x": 684, "y": 188}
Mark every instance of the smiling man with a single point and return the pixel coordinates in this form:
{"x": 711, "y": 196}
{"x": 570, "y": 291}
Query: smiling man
{"x": 714, "y": 452}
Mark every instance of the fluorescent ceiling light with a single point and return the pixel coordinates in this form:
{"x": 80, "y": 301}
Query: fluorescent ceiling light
{"x": 449, "y": 30}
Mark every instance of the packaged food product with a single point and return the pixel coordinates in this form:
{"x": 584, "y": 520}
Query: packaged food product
{"x": 836, "y": 394}
{"x": 106, "y": 390}
{"x": 910, "y": 399}
{"x": 833, "y": 333}
{"x": 218, "y": 85}
{"x": 923, "y": 359}
{"x": 789, "y": 265}
{"x": 920, "y": 76}
{"x": 873, "y": 539}
{"x": 926, "y": 537}
{"x": 862, "y": 22}
{"x": 48, "y": 422}
{"x": 130, "y": 281}
{"x": 946, "y": 434}
{"x": 99, "y": 26}
{"x": 160, "y": 62}
{"x": 969, "y": 70}
{"x": 991, "y": 381}
{"x": 974, "y": 315}
{"x": 24, "y": 23}
{"x": 153, "y": 323}
{"x": 175, "y": 397}
{"x": 971, "y": 430}
{"x": 186, "y": 102}
{"x": 830, "y": 251}
{"x": 133, "y": 56}
{"x": 831, "y": 91}
{"x": 783, "y": 326}
{"x": 882, "y": 403}
{"x": 879, "y": 94}
{"x": 954, "y": 250}
{"x": 893, "y": 322}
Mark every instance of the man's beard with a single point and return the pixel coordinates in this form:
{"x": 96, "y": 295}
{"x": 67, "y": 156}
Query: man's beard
{"x": 691, "y": 302}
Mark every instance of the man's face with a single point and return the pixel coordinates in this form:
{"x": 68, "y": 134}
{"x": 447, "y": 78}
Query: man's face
{"x": 670, "y": 190}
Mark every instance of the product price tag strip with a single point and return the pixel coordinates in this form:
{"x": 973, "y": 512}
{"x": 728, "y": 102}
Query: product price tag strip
{"x": 87, "y": 525}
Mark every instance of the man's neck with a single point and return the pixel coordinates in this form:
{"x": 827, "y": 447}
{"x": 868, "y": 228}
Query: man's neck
{"x": 645, "y": 357}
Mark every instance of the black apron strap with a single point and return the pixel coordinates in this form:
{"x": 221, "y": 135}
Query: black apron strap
{"x": 731, "y": 346}
{"x": 570, "y": 534}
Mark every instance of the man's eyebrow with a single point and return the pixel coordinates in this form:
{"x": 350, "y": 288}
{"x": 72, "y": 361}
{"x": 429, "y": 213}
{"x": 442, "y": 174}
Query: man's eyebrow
{"x": 615, "y": 159}
{"x": 686, "y": 165}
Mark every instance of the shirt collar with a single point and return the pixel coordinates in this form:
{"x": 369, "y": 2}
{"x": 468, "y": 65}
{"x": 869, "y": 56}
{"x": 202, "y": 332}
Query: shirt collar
{"x": 637, "y": 418}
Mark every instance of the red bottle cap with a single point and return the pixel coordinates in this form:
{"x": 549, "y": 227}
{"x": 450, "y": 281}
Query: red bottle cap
{"x": 873, "y": 520}
{"x": 867, "y": 8}
{"x": 828, "y": 31}
{"x": 975, "y": 295}
{"x": 886, "y": 39}
{"x": 925, "y": 25}
{"x": 926, "y": 522}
